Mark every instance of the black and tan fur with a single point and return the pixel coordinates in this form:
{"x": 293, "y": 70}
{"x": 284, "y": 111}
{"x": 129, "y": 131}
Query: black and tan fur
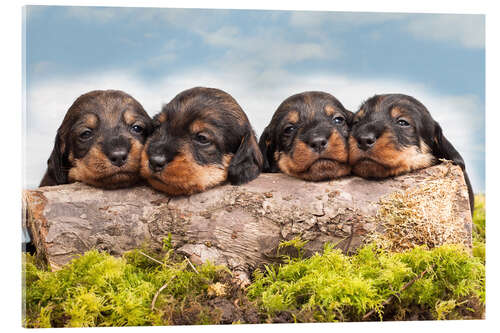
{"x": 99, "y": 142}
{"x": 393, "y": 134}
{"x": 307, "y": 137}
{"x": 202, "y": 138}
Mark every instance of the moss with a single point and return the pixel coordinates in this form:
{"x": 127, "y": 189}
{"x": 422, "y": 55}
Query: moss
{"x": 96, "y": 289}
{"x": 335, "y": 287}
{"x": 449, "y": 283}
{"x": 479, "y": 227}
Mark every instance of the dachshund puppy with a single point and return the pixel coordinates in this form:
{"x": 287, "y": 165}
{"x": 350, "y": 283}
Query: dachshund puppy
{"x": 201, "y": 139}
{"x": 394, "y": 134}
{"x": 99, "y": 141}
{"x": 307, "y": 137}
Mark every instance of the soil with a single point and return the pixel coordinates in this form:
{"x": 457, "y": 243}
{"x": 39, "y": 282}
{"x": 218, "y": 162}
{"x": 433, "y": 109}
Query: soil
{"x": 230, "y": 308}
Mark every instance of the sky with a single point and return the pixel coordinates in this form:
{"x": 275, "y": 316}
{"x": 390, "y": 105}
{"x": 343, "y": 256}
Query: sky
{"x": 260, "y": 58}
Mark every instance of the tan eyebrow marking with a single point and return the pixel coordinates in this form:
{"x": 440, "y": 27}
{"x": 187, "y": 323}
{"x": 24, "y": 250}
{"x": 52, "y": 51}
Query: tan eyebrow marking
{"x": 396, "y": 112}
{"x": 129, "y": 117}
{"x": 201, "y": 126}
{"x": 293, "y": 117}
{"x": 91, "y": 120}
{"x": 329, "y": 110}
{"x": 197, "y": 126}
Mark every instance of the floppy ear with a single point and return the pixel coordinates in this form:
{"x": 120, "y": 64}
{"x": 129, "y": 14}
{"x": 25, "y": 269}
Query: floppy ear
{"x": 268, "y": 147}
{"x": 246, "y": 164}
{"x": 56, "y": 171}
{"x": 442, "y": 148}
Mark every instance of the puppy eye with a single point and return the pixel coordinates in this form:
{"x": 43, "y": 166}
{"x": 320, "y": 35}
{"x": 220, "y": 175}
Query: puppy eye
{"x": 289, "y": 129}
{"x": 85, "y": 135}
{"x": 202, "y": 139}
{"x": 137, "y": 129}
{"x": 338, "y": 120}
{"x": 402, "y": 122}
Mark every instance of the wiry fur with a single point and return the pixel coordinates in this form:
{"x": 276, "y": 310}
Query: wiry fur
{"x": 316, "y": 148}
{"x": 110, "y": 156}
{"x": 393, "y": 134}
{"x": 176, "y": 162}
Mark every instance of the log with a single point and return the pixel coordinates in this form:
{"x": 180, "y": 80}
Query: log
{"x": 242, "y": 226}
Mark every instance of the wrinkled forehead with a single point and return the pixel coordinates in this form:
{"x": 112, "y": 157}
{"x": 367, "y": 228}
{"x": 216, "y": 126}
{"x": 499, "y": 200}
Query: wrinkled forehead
{"x": 307, "y": 111}
{"x": 383, "y": 107}
{"x": 109, "y": 112}
{"x": 211, "y": 114}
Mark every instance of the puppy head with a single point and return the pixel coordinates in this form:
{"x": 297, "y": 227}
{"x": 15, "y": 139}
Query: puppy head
{"x": 393, "y": 134}
{"x": 201, "y": 139}
{"x": 307, "y": 137}
{"x": 99, "y": 141}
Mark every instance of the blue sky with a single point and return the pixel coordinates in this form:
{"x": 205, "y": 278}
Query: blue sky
{"x": 260, "y": 57}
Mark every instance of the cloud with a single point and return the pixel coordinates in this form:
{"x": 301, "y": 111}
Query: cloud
{"x": 42, "y": 67}
{"x": 178, "y": 17}
{"x": 166, "y": 54}
{"x": 259, "y": 94}
{"x": 342, "y": 20}
{"x": 463, "y": 29}
{"x": 93, "y": 14}
{"x": 266, "y": 46}
{"x": 263, "y": 45}
{"x": 466, "y": 30}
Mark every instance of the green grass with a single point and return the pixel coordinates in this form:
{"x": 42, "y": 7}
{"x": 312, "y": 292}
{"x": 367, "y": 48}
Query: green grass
{"x": 97, "y": 289}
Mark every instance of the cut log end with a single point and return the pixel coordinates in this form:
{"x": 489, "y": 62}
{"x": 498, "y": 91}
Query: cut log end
{"x": 242, "y": 226}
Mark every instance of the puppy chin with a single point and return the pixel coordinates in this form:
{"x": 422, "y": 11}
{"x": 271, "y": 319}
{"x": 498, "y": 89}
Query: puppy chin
{"x": 113, "y": 181}
{"x": 173, "y": 189}
{"x": 324, "y": 169}
{"x": 367, "y": 168}
{"x": 390, "y": 163}
{"x": 328, "y": 169}
{"x": 118, "y": 180}
{"x": 165, "y": 183}
{"x": 183, "y": 176}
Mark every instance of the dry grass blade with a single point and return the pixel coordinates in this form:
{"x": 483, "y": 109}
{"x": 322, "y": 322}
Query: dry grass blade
{"x": 159, "y": 291}
{"x": 149, "y": 257}
{"x": 190, "y": 264}
{"x": 421, "y": 215}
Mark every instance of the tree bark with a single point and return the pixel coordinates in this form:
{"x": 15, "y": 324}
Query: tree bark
{"x": 242, "y": 226}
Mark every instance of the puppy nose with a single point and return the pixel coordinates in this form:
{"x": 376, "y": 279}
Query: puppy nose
{"x": 318, "y": 144}
{"x": 366, "y": 141}
{"x": 157, "y": 162}
{"x": 118, "y": 157}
